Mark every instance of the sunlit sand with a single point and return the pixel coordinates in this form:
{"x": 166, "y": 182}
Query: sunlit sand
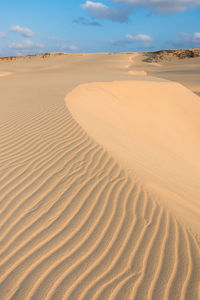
{"x": 99, "y": 178}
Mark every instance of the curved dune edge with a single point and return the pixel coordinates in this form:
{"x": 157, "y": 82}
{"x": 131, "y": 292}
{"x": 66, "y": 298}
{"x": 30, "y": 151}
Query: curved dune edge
{"x": 100, "y": 110}
{"x": 74, "y": 224}
{"x": 153, "y": 129}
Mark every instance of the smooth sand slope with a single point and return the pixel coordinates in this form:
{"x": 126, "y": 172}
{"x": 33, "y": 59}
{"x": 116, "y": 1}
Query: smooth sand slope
{"x": 77, "y": 221}
{"x": 3, "y": 74}
{"x": 185, "y": 71}
{"x": 153, "y": 127}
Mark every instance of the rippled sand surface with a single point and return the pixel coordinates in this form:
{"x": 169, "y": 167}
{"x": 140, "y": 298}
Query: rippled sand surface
{"x": 95, "y": 202}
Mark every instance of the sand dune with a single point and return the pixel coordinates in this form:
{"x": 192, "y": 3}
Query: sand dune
{"x": 75, "y": 221}
{"x": 185, "y": 71}
{"x": 142, "y": 73}
{"x": 151, "y": 126}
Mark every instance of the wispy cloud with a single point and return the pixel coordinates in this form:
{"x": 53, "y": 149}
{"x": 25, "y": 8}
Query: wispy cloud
{"x": 163, "y": 6}
{"x": 2, "y": 35}
{"x": 139, "y": 38}
{"x": 187, "y": 40}
{"x": 86, "y": 22}
{"x": 196, "y": 36}
{"x": 65, "y": 47}
{"x": 62, "y": 45}
{"x": 25, "y": 32}
{"x": 98, "y": 10}
{"x": 72, "y": 48}
{"x": 26, "y": 45}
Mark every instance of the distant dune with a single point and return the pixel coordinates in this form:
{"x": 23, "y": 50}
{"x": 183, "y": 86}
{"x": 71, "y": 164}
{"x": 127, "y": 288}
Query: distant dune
{"x": 99, "y": 178}
{"x": 42, "y": 55}
{"x": 163, "y": 55}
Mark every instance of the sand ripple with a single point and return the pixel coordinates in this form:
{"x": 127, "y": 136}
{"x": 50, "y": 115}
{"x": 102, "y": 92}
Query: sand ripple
{"x": 75, "y": 225}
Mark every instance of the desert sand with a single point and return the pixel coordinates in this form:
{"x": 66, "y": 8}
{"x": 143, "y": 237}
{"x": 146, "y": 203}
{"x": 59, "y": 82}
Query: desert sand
{"x": 2, "y": 74}
{"x": 99, "y": 178}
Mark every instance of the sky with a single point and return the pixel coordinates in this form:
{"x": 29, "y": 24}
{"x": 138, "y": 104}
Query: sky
{"x": 40, "y": 26}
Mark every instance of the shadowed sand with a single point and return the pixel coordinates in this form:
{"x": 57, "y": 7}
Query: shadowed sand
{"x": 83, "y": 215}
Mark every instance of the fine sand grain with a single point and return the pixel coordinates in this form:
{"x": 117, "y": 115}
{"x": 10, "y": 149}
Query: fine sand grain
{"x": 3, "y": 74}
{"x": 142, "y": 73}
{"x": 153, "y": 127}
{"x": 99, "y": 193}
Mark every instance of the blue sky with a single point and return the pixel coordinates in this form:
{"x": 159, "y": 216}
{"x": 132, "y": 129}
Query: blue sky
{"x": 97, "y": 26}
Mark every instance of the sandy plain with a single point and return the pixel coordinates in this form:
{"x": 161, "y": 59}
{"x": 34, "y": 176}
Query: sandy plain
{"x": 99, "y": 178}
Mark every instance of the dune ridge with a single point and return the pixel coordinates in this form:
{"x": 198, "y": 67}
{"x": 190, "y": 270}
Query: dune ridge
{"x": 75, "y": 223}
{"x": 153, "y": 128}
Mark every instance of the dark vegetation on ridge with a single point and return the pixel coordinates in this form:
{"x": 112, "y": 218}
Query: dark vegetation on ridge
{"x": 159, "y": 56}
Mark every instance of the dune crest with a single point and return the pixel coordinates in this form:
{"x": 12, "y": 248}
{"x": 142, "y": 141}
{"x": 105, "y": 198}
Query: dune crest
{"x": 78, "y": 221}
{"x": 153, "y": 128}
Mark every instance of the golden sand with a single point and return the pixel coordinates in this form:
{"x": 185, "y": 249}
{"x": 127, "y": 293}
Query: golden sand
{"x": 99, "y": 182}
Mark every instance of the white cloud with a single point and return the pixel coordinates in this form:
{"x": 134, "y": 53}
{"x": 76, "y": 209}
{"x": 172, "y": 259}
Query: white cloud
{"x": 70, "y": 48}
{"x": 187, "y": 40}
{"x": 139, "y": 38}
{"x": 2, "y": 35}
{"x": 26, "y": 45}
{"x": 94, "y": 5}
{"x": 23, "y": 31}
{"x": 99, "y": 10}
{"x": 197, "y": 35}
{"x": 144, "y": 40}
{"x": 187, "y": 37}
{"x": 163, "y": 6}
